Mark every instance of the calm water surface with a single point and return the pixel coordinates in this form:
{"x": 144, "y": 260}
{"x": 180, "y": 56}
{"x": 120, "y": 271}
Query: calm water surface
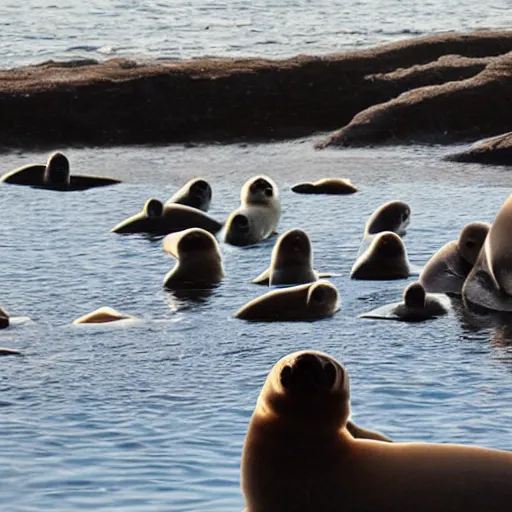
{"x": 152, "y": 416}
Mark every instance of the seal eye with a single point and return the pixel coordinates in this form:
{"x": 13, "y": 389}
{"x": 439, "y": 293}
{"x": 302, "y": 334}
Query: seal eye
{"x": 286, "y": 376}
{"x": 329, "y": 375}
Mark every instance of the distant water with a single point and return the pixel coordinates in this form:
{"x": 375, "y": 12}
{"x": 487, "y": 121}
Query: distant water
{"x": 151, "y": 417}
{"x": 33, "y": 31}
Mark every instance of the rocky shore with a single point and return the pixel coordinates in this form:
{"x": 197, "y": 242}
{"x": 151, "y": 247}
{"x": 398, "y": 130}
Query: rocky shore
{"x": 447, "y": 88}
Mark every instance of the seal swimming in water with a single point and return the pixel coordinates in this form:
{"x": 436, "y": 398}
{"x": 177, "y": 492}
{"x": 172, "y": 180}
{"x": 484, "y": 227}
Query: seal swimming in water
{"x": 54, "y": 175}
{"x": 309, "y": 302}
{"x": 4, "y": 319}
{"x": 326, "y": 186}
{"x": 101, "y": 316}
{"x": 257, "y": 217}
{"x": 196, "y": 193}
{"x": 199, "y": 263}
{"x": 291, "y": 261}
{"x": 391, "y": 216}
{"x": 447, "y": 269}
{"x": 158, "y": 219}
{"x": 298, "y": 455}
{"x": 417, "y": 306}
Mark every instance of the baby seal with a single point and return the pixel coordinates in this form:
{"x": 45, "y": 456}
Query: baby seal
{"x": 101, "y": 316}
{"x": 309, "y": 301}
{"x": 199, "y": 263}
{"x": 197, "y": 193}
{"x": 385, "y": 259}
{"x": 291, "y": 261}
{"x": 417, "y": 306}
{"x": 326, "y": 186}
{"x": 257, "y": 217}
{"x": 448, "y": 268}
{"x": 55, "y": 175}
{"x": 489, "y": 284}
{"x": 298, "y": 454}
{"x": 4, "y": 319}
{"x": 158, "y": 219}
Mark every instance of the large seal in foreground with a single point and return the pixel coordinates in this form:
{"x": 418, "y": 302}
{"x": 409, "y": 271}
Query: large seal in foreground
{"x": 310, "y": 301}
{"x": 326, "y": 186}
{"x": 54, "y": 175}
{"x": 157, "y": 219}
{"x": 447, "y": 269}
{"x": 291, "y": 261}
{"x": 257, "y": 217}
{"x": 298, "y": 455}
{"x": 384, "y": 259}
{"x": 196, "y": 193}
{"x": 199, "y": 263}
{"x": 417, "y": 306}
{"x": 489, "y": 284}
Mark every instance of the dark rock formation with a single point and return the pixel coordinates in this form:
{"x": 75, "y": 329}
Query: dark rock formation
{"x": 124, "y": 102}
{"x": 465, "y": 109}
{"x": 496, "y": 150}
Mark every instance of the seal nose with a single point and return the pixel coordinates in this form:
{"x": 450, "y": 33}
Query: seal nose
{"x": 308, "y": 374}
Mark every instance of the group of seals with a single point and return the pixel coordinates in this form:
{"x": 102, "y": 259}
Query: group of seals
{"x": 299, "y": 455}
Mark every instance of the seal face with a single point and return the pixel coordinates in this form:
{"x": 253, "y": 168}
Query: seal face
{"x": 291, "y": 261}
{"x": 448, "y": 268}
{"x": 196, "y": 193}
{"x": 199, "y": 262}
{"x": 337, "y": 186}
{"x": 391, "y": 216}
{"x": 417, "y": 306}
{"x": 55, "y": 175}
{"x": 385, "y": 259}
{"x": 308, "y": 302}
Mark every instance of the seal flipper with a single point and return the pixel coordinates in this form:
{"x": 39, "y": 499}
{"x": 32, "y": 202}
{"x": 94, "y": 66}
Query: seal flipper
{"x": 263, "y": 278}
{"x": 364, "y": 433}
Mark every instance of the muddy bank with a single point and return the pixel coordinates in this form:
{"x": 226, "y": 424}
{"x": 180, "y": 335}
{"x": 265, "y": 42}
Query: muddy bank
{"x": 124, "y": 102}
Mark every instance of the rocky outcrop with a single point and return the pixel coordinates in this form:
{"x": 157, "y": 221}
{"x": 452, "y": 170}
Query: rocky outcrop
{"x": 466, "y": 109}
{"x": 496, "y": 150}
{"x": 124, "y": 102}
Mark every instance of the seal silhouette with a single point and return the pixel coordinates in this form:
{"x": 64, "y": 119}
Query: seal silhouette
{"x": 291, "y": 261}
{"x": 309, "y": 301}
{"x": 54, "y": 175}
{"x": 299, "y": 456}
{"x": 196, "y": 193}
{"x": 101, "y": 316}
{"x": 199, "y": 262}
{"x": 338, "y": 186}
{"x": 157, "y": 219}
{"x": 4, "y": 319}
{"x": 258, "y": 215}
{"x": 417, "y": 306}
{"x": 447, "y": 269}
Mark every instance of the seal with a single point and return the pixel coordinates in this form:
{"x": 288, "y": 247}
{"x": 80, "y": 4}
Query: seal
{"x": 298, "y": 455}
{"x": 311, "y": 301}
{"x": 417, "y": 306}
{"x": 4, "y": 319}
{"x": 4, "y": 351}
{"x": 339, "y": 186}
{"x": 391, "y": 216}
{"x": 384, "y": 259}
{"x": 489, "y": 284}
{"x": 196, "y": 193}
{"x": 199, "y": 262}
{"x": 54, "y": 175}
{"x": 447, "y": 269}
{"x": 291, "y": 261}
{"x": 157, "y": 219}
{"x": 102, "y": 316}
{"x": 258, "y": 215}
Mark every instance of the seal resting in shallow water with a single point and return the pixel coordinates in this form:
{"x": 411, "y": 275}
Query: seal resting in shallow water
{"x": 199, "y": 263}
{"x": 196, "y": 193}
{"x": 326, "y": 186}
{"x": 54, "y": 175}
{"x": 259, "y": 212}
{"x": 298, "y": 456}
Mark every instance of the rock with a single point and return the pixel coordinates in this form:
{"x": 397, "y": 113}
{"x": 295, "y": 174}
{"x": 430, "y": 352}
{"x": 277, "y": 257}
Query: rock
{"x": 495, "y": 150}
{"x": 466, "y": 109}
{"x": 120, "y": 101}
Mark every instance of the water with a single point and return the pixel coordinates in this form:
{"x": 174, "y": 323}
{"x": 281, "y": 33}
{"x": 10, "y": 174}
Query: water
{"x": 36, "y": 30}
{"x": 152, "y": 416}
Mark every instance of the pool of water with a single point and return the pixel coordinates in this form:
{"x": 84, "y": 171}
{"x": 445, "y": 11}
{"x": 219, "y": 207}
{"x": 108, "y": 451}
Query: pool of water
{"x": 152, "y": 416}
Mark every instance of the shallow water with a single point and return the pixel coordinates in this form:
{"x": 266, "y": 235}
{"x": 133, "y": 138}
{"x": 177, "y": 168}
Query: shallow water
{"x": 152, "y": 416}
{"x": 36, "y": 30}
